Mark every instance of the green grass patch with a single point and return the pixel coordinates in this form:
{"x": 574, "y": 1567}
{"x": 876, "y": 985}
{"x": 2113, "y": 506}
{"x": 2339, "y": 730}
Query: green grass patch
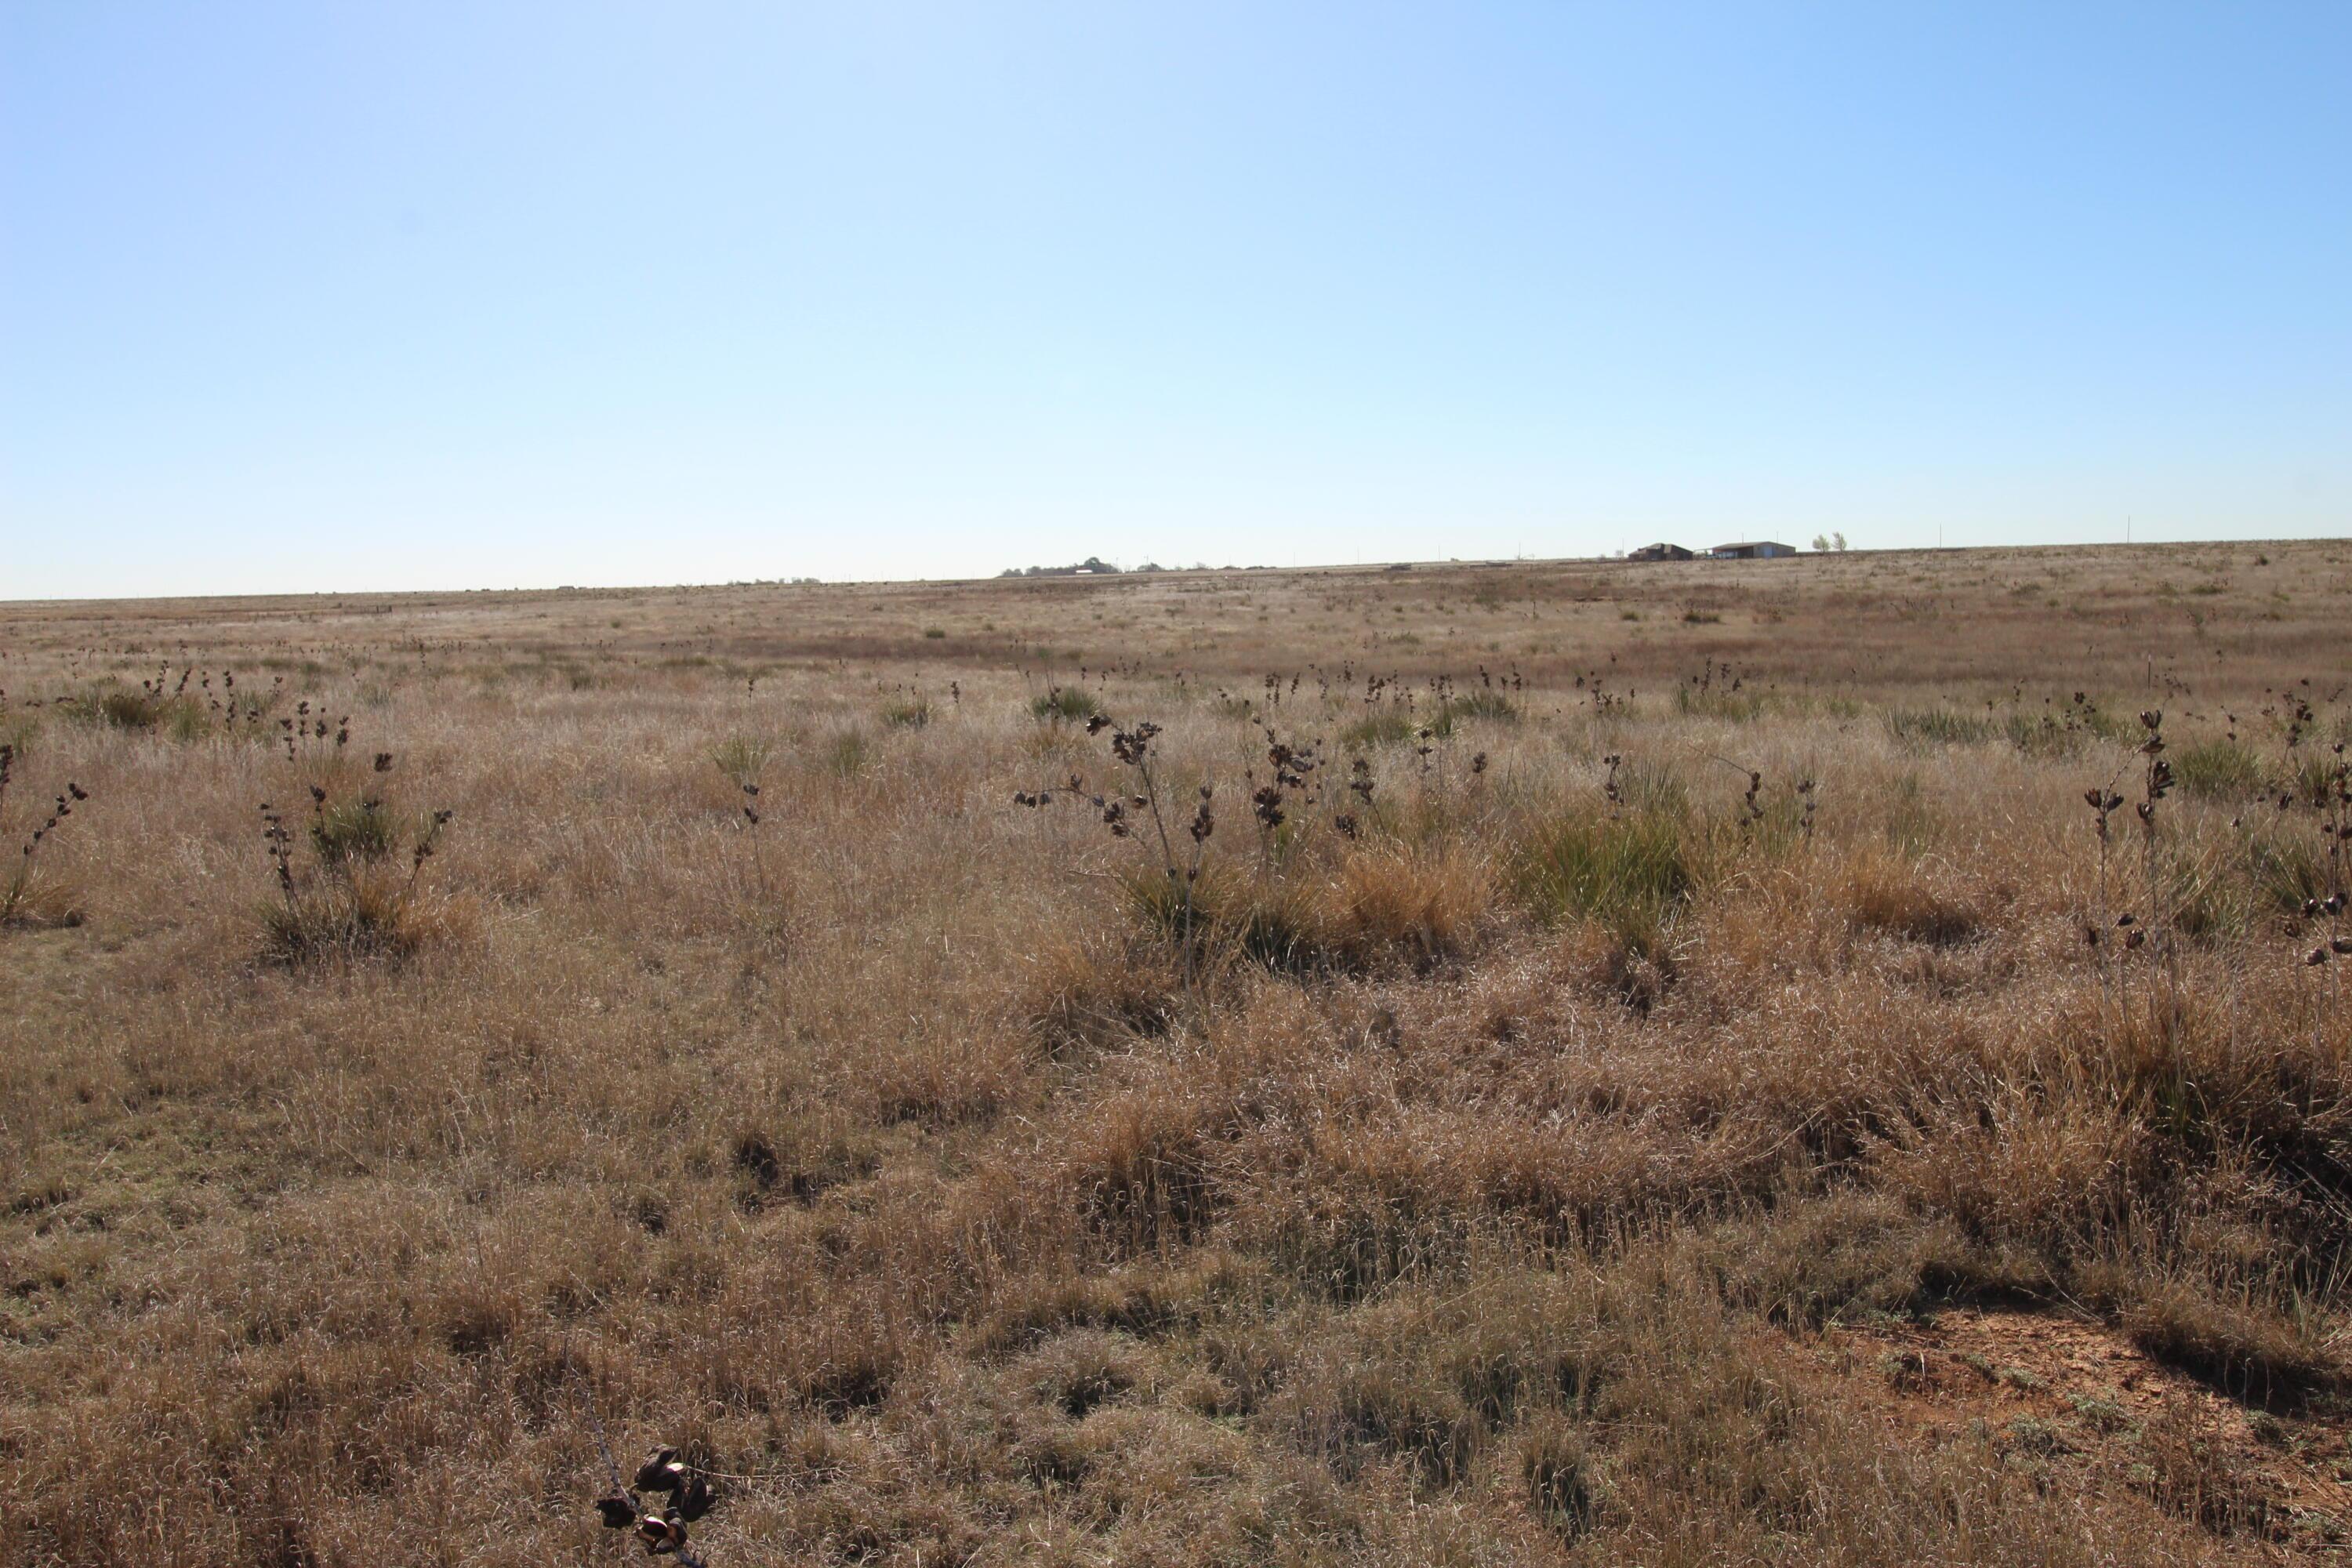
{"x": 1064, "y": 704}
{"x": 346, "y": 831}
{"x": 1627, "y": 871}
{"x": 1394, "y": 726}
{"x": 1939, "y": 727}
{"x": 740, "y": 758}
{"x": 2222, "y": 770}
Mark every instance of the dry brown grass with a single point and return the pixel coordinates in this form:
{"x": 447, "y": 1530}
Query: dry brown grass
{"x": 1501, "y": 1174}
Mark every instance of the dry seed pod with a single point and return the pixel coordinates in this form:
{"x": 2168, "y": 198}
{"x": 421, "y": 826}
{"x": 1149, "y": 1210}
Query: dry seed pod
{"x": 660, "y": 1472}
{"x": 616, "y": 1511}
{"x": 660, "y": 1535}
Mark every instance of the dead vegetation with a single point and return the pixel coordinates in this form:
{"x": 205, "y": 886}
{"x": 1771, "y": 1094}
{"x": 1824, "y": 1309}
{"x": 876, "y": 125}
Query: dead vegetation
{"x": 1300, "y": 1068}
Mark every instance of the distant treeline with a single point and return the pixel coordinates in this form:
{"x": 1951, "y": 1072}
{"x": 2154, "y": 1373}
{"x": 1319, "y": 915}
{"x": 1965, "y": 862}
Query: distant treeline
{"x": 1094, "y": 566}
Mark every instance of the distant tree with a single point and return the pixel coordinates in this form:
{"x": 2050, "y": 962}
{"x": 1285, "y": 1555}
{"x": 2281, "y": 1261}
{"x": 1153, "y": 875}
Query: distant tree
{"x": 1091, "y": 564}
{"x": 1838, "y": 539}
{"x": 1820, "y": 542}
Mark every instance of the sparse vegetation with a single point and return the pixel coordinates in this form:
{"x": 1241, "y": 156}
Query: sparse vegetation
{"x": 1243, "y": 1087}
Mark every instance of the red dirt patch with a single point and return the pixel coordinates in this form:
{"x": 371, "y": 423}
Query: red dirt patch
{"x": 2068, "y": 1401}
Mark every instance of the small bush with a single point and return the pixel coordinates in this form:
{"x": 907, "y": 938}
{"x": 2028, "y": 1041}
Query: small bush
{"x": 2312, "y": 777}
{"x": 1229, "y": 913}
{"x": 911, "y": 713}
{"x": 1064, "y": 704}
{"x": 132, "y": 709}
{"x": 1083, "y": 1370}
{"x": 1653, "y": 789}
{"x": 1382, "y": 905}
{"x": 34, "y": 902}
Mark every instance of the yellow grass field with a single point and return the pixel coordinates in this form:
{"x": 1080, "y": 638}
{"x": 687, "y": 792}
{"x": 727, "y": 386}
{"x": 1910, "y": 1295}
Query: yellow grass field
{"x": 1526, "y": 1063}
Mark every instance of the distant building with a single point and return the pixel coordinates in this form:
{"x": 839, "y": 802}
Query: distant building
{"x": 1752, "y": 549}
{"x": 1660, "y": 553}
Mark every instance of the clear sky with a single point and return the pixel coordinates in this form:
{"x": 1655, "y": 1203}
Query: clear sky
{"x": 396, "y": 295}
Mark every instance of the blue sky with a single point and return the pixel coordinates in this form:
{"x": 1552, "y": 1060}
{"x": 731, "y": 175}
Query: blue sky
{"x": 346, "y": 297}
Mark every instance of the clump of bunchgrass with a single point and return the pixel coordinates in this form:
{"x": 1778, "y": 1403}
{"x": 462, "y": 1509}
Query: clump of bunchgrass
{"x": 1888, "y": 892}
{"x": 742, "y": 758}
{"x": 847, "y": 752}
{"x": 907, "y": 714}
{"x": 1556, "y": 1469}
{"x": 2220, "y": 770}
{"x": 1629, "y": 869}
{"x": 1064, "y": 705}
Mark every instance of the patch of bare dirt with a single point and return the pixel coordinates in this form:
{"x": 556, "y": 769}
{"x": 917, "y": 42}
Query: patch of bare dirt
{"x": 2070, "y": 1402}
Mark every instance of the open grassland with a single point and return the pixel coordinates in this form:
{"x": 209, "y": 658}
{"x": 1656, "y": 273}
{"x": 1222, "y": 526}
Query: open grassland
{"x": 1629, "y": 1063}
